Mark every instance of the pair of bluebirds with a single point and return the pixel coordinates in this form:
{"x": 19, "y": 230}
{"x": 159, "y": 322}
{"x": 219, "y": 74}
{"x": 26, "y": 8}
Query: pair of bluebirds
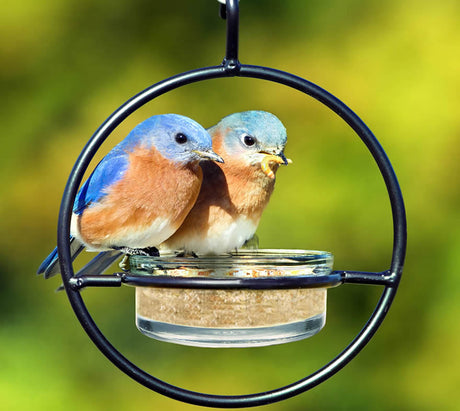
{"x": 164, "y": 187}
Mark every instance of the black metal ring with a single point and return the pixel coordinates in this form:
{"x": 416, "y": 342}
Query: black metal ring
{"x": 237, "y": 401}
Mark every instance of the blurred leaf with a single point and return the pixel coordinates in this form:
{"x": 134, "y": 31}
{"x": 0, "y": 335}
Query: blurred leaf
{"x": 67, "y": 65}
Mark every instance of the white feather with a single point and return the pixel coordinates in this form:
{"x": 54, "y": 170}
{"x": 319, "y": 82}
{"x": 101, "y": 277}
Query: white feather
{"x": 218, "y": 241}
{"x": 150, "y": 236}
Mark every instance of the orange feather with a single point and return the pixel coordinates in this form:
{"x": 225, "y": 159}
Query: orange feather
{"x": 229, "y": 191}
{"x": 143, "y": 195}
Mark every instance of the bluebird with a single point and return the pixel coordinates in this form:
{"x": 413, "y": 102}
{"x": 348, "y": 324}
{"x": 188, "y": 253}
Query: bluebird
{"x": 234, "y": 194}
{"x": 140, "y": 192}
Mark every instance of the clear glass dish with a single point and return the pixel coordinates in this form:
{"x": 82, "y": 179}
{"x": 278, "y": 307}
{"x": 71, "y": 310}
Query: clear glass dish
{"x": 232, "y": 317}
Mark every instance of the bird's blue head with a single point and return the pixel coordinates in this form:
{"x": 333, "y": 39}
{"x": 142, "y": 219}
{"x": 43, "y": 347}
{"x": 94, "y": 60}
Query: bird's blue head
{"x": 254, "y": 137}
{"x": 176, "y": 137}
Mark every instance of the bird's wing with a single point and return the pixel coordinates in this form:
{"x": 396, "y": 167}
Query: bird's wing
{"x": 111, "y": 169}
{"x": 100, "y": 263}
{"x": 50, "y": 265}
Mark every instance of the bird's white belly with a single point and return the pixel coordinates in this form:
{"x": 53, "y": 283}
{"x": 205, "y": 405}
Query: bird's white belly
{"x": 132, "y": 237}
{"x": 221, "y": 239}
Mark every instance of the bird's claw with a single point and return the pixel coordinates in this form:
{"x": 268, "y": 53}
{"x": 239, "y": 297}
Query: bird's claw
{"x": 181, "y": 254}
{"x": 124, "y": 263}
{"x": 147, "y": 251}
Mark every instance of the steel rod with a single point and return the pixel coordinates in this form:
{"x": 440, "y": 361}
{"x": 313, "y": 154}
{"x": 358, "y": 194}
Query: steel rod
{"x": 333, "y": 279}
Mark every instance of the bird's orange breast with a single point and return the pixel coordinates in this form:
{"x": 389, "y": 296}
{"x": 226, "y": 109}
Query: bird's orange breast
{"x": 153, "y": 187}
{"x": 231, "y": 193}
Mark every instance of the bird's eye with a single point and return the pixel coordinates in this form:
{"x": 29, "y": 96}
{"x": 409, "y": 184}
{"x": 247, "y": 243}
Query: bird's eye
{"x": 249, "y": 140}
{"x": 180, "y": 138}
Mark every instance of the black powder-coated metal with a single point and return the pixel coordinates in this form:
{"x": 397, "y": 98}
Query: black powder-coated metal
{"x": 333, "y": 279}
{"x": 389, "y": 279}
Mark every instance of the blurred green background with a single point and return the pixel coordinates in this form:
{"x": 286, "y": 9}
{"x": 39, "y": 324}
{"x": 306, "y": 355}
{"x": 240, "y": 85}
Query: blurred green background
{"x": 66, "y": 65}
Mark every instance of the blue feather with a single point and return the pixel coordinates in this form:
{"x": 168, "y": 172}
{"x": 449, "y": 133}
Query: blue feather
{"x": 158, "y": 132}
{"x": 111, "y": 169}
{"x": 48, "y": 261}
{"x": 50, "y": 266}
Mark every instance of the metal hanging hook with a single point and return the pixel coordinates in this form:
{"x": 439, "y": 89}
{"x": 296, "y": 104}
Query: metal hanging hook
{"x": 230, "y": 12}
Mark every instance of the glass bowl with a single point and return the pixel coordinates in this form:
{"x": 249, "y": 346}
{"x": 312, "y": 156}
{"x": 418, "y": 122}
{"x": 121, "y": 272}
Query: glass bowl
{"x": 232, "y": 317}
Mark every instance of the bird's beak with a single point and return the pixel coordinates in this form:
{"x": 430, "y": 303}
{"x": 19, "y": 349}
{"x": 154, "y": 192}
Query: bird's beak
{"x": 286, "y": 161}
{"x": 278, "y": 158}
{"x": 209, "y": 155}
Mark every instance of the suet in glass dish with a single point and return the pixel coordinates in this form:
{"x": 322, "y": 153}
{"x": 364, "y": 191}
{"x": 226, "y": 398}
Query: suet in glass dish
{"x": 232, "y": 317}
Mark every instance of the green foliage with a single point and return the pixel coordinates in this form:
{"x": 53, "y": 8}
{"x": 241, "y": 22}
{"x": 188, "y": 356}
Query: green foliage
{"x": 67, "y": 65}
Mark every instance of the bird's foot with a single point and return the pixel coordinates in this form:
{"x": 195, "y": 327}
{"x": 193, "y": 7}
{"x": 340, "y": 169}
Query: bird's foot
{"x": 124, "y": 263}
{"x": 150, "y": 251}
{"x": 184, "y": 253}
{"x": 147, "y": 251}
{"x": 251, "y": 243}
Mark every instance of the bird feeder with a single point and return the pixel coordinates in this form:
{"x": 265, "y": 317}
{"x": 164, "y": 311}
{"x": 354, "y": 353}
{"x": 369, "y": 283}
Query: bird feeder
{"x": 246, "y": 317}
{"x": 245, "y": 278}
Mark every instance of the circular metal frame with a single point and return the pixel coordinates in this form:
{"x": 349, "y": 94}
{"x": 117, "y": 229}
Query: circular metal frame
{"x": 229, "y": 68}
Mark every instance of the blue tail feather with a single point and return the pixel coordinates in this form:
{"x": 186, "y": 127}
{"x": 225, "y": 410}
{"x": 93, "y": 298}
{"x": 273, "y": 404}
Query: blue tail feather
{"x": 100, "y": 263}
{"x": 50, "y": 265}
{"x": 48, "y": 261}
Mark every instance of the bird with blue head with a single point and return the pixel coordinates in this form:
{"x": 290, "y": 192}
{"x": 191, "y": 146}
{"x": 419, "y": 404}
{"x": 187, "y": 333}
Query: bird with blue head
{"x": 234, "y": 194}
{"x": 141, "y": 191}
{"x": 220, "y": 215}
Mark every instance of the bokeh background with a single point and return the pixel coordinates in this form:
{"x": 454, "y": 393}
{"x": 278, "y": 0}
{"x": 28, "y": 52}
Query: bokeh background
{"x": 66, "y": 65}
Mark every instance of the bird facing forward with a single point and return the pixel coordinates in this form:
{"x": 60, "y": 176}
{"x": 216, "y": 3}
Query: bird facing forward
{"x": 141, "y": 191}
{"x": 234, "y": 194}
